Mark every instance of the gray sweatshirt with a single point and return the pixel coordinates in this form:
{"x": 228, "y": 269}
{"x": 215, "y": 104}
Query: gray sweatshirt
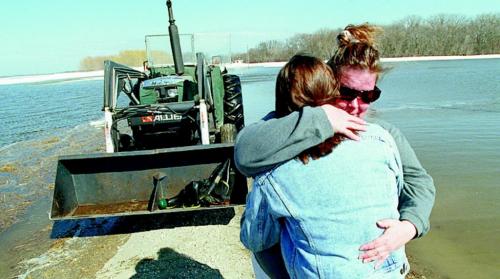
{"x": 271, "y": 141}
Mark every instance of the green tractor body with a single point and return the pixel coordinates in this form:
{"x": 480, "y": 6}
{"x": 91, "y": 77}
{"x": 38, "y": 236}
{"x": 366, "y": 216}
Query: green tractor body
{"x": 169, "y": 147}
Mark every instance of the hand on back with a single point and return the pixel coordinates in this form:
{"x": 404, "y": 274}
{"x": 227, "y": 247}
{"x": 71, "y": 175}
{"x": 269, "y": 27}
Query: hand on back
{"x": 397, "y": 233}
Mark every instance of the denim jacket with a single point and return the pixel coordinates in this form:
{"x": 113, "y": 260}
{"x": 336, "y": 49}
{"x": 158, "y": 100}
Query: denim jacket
{"x": 322, "y": 212}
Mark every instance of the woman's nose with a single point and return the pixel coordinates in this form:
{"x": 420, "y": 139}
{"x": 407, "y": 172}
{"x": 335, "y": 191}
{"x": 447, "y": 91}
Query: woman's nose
{"x": 355, "y": 103}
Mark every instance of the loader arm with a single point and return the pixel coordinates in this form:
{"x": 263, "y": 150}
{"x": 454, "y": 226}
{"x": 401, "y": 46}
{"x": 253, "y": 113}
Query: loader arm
{"x": 114, "y": 75}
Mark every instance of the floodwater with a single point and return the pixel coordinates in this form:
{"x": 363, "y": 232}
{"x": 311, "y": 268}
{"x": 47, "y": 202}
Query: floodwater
{"x": 448, "y": 110}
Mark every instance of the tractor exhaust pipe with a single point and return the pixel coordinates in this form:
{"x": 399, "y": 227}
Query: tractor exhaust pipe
{"x": 175, "y": 43}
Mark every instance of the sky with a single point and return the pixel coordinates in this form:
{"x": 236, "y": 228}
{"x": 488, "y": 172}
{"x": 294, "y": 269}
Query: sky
{"x": 54, "y": 36}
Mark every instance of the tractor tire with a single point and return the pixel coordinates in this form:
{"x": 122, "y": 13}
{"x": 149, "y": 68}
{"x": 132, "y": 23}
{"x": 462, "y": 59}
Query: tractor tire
{"x": 233, "y": 101}
{"x": 228, "y": 133}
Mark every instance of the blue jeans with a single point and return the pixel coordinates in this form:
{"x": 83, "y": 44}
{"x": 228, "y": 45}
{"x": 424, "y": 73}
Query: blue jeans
{"x": 271, "y": 263}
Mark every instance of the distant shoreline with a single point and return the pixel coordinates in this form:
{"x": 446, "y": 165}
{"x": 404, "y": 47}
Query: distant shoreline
{"x": 100, "y": 73}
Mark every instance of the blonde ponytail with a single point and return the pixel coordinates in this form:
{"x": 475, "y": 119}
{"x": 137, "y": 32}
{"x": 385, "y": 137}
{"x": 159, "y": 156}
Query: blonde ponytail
{"x": 357, "y": 48}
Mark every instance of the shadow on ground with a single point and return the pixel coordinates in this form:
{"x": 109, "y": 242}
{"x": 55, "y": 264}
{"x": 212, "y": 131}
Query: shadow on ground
{"x": 139, "y": 223}
{"x": 171, "y": 264}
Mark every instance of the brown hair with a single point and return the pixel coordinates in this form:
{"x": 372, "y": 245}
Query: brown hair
{"x": 307, "y": 81}
{"x": 357, "y": 48}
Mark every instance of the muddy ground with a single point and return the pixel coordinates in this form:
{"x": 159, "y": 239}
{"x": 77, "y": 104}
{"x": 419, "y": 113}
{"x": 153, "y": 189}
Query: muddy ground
{"x": 194, "y": 247}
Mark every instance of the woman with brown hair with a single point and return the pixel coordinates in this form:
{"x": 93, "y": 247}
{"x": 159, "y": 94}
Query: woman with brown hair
{"x": 319, "y": 211}
{"x": 307, "y": 81}
{"x": 357, "y": 65}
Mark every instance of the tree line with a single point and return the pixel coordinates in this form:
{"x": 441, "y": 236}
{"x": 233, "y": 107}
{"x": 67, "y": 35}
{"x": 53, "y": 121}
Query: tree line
{"x": 411, "y": 36}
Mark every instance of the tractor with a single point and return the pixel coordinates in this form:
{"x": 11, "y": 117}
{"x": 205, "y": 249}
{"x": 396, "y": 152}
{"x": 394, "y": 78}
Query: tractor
{"x": 169, "y": 144}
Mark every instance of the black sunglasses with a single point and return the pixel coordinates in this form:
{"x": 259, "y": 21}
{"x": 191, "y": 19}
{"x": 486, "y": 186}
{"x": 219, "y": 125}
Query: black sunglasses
{"x": 367, "y": 96}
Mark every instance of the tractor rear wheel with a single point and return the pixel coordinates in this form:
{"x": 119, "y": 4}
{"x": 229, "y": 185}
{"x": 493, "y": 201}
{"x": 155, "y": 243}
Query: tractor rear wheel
{"x": 233, "y": 101}
{"x": 228, "y": 133}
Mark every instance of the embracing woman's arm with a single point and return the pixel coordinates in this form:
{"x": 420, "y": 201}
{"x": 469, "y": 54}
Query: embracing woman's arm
{"x": 417, "y": 197}
{"x": 271, "y": 141}
{"x": 415, "y": 205}
{"x": 259, "y": 229}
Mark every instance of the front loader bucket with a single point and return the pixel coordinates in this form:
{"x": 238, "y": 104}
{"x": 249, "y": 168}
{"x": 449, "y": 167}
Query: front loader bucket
{"x": 120, "y": 184}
